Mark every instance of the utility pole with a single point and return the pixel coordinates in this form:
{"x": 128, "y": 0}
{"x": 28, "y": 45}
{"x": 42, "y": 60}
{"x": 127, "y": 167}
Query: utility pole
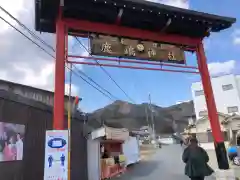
{"x": 152, "y": 118}
{"x": 146, "y": 112}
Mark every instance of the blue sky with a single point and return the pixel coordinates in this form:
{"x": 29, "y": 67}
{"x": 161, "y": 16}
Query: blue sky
{"x": 222, "y": 50}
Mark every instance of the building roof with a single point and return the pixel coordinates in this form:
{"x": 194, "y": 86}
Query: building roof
{"x": 191, "y": 126}
{"x": 230, "y": 118}
{"x": 32, "y": 88}
{"x": 215, "y": 77}
{"x": 138, "y": 14}
{"x": 144, "y": 128}
{"x": 142, "y": 133}
{"x": 162, "y": 136}
{"x": 23, "y": 100}
{"x": 205, "y": 117}
{"x": 32, "y": 103}
{"x": 193, "y": 116}
{"x": 18, "y": 98}
{"x": 227, "y": 118}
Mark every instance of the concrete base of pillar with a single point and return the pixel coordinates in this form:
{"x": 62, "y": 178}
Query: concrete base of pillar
{"x": 225, "y": 174}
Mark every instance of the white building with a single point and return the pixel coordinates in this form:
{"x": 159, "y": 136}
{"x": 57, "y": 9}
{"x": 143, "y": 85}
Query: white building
{"x": 226, "y": 91}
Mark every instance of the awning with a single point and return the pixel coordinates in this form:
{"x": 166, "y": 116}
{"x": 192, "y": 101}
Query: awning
{"x": 116, "y": 134}
{"x": 109, "y": 133}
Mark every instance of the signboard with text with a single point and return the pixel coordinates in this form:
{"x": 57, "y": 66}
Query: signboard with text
{"x": 56, "y": 155}
{"x": 129, "y": 48}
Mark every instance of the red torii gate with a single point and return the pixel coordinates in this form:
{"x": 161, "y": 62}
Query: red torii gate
{"x": 136, "y": 19}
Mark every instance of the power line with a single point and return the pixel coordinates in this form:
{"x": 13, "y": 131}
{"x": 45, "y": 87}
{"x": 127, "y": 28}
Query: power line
{"x": 25, "y": 27}
{"x": 26, "y": 36}
{"x": 49, "y": 46}
{"x": 90, "y": 79}
{"x": 112, "y": 98}
{"x": 35, "y": 36}
{"x": 91, "y": 84}
{"x": 104, "y": 70}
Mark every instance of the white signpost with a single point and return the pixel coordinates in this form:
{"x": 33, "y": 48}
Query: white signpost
{"x": 56, "y": 155}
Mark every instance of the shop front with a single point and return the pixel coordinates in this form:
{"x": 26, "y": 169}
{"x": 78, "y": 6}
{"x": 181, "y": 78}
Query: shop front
{"x": 105, "y": 153}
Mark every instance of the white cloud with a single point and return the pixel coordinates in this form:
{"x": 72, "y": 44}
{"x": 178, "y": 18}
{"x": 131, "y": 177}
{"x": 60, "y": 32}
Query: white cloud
{"x": 177, "y": 3}
{"x": 180, "y": 102}
{"x": 206, "y": 43}
{"x": 74, "y": 89}
{"x": 80, "y": 66}
{"x": 22, "y": 61}
{"x": 13, "y": 9}
{"x": 220, "y": 68}
{"x": 236, "y": 37}
{"x": 77, "y": 49}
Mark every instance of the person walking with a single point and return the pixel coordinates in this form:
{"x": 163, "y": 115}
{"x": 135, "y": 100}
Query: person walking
{"x": 181, "y": 142}
{"x": 196, "y": 159}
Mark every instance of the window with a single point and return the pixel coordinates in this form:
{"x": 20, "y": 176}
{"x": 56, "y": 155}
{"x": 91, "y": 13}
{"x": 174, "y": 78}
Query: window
{"x": 227, "y": 87}
{"x": 226, "y": 136}
{"x": 232, "y": 109}
{"x": 202, "y": 113}
{"x": 238, "y": 140}
{"x": 199, "y": 93}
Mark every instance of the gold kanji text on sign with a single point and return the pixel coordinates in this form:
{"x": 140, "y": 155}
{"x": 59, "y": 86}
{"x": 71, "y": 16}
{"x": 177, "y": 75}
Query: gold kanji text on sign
{"x": 130, "y": 48}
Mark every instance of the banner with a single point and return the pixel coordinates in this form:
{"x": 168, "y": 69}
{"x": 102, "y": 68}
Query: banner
{"x": 56, "y": 155}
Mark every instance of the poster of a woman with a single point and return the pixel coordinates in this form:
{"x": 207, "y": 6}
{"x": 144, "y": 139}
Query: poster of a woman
{"x": 11, "y": 141}
{"x": 9, "y": 152}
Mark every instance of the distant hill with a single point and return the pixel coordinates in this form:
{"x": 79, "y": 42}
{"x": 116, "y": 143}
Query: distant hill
{"x": 134, "y": 116}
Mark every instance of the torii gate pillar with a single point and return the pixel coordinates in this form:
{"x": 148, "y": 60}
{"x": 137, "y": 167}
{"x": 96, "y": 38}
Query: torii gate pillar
{"x": 58, "y": 114}
{"x": 212, "y": 110}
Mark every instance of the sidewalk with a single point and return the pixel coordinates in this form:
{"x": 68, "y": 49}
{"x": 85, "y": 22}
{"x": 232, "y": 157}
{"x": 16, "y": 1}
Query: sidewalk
{"x": 213, "y": 163}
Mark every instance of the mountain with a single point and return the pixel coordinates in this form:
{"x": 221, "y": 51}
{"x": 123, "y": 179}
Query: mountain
{"x": 134, "y": 116}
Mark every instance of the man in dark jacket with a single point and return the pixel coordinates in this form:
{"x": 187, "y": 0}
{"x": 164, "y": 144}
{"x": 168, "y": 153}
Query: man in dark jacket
{"x": 196, "y": 159}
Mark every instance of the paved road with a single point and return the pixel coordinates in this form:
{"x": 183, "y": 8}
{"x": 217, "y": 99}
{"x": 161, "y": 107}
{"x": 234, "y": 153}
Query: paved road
{"x": 165, "y": 164}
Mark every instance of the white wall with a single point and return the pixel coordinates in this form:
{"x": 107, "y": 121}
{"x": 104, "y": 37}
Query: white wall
{"x": 223, "y": 99}
{"x": 131, "y": 150}
{"x": 238, "y": 84}
{"x": 93, "y": 159}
